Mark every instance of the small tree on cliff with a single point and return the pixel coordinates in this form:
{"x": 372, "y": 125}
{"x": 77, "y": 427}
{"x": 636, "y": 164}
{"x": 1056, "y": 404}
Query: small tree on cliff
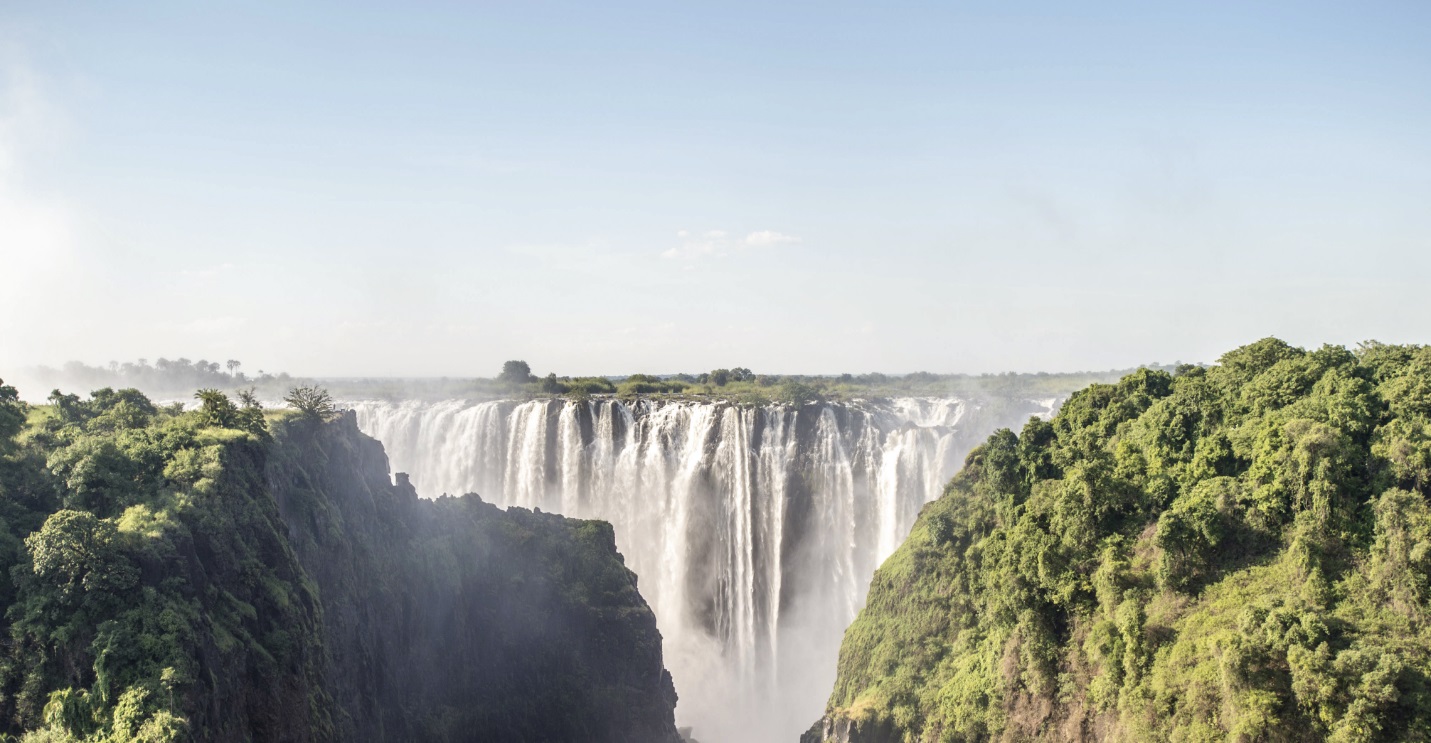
{"x": 516, "y": 372}
{"x": 216, "y": 409}
{"x": 311, "y": 400}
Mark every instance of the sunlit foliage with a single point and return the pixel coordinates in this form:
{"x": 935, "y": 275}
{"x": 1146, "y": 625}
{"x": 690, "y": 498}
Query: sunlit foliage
{"x": 141, "y": 565}
{"x": 1239, "y": 553}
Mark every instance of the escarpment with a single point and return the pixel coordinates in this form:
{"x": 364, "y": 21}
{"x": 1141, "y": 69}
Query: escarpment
{"x": 1237, "y": 552}
{"x": 232, "y": 574}
{"x": 451, "y": 616}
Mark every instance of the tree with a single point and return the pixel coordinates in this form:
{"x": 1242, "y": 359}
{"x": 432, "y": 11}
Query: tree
{"x": 516, "y": 372}
{"x": 12, "y": 414}
{"x": 797, "y": 393}
{"x": 233, "y": 366}
{"x": 312, "y": 401}
{"x": 250, "y": 414}
{"x": 68, "y": 407}
{"x": 216, "y": 409}
{"x": 720, "y": 377}
{"x": 77, "y": 553}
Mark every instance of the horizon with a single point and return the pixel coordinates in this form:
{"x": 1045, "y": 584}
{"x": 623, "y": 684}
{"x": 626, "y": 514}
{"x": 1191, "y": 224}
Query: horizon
{"x": 62, "y": 368}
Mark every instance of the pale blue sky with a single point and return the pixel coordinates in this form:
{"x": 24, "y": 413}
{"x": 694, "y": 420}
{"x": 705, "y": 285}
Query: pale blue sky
{"x": 609, "y": 188}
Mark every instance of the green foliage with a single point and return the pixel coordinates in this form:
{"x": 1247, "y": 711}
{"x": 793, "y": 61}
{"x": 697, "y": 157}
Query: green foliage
{"x": 582, "y": 387}
{"x": 142, "y": 548}
{"x": 154, "y": 592}
{"x": 797, "y": 393}
{"x": 516, "y": 372}
{"x": 78, "y": 554}
{"x": 13, "y": 414}
{"x": 312, "y": 401}
{"x": 216, "y": 409}
{"x": 1233, "y": 553}
{"x": 645, "y": 384}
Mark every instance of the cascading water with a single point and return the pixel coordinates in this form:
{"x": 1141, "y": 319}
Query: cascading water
{"x": 754, "y": 530}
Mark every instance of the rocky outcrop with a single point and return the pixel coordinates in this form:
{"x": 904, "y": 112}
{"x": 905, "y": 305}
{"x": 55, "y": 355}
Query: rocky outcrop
{"x": 843, "y": 730}
{"x": 453, "y": 620}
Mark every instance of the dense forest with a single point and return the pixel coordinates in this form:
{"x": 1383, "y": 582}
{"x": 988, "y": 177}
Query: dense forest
{"x": 230, "y": 574}
{"x": 1233, "y": 553}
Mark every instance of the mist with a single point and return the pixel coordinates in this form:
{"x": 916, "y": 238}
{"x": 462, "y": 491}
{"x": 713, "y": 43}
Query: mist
{"x": 754, "y": 531}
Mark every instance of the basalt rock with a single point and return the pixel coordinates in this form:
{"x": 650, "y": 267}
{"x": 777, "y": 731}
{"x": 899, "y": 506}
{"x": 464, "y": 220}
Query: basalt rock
{"x": 453, "y": 620}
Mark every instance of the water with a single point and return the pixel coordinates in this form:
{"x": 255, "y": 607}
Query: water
{"x": 754, "y": 530}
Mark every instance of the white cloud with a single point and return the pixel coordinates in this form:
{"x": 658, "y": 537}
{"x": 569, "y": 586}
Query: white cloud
{"x": 765, "y": 238}
{"x": 719, "y": 243}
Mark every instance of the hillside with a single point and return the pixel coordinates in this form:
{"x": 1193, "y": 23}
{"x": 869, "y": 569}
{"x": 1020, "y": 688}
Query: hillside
{"x": 229, "y": 575}
{"x": 1232, "y": 553}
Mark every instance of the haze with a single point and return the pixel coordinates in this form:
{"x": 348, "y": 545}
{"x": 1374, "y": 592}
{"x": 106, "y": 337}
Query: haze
{"x": 345, "y": 189}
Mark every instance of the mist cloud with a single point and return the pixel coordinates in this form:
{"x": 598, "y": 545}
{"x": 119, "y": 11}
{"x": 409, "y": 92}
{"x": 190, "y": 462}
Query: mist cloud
{"x": 37, "y": 233}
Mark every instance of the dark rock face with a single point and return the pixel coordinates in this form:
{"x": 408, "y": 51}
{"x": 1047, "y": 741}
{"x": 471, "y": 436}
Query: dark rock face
{"x": 452, "y": 620}
{"x": 843, "y": 730}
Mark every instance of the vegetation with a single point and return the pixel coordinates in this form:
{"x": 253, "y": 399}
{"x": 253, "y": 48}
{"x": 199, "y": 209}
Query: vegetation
{"x": 516, "y": 372}
{"x": 176, "y": 377}
{"x": 738, "y": 384}
{"x": 223, "y": 573}
{"x": 145, "y": 573}
{"x": 312, "y": 401}
{"x": 1234, "y": 553}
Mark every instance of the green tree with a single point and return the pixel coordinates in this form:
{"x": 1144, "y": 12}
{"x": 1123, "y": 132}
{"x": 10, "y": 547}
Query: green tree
{"x": 78, "y": 553}
{"x": 68, "y": 407}
{"x": 216, "y": 409}
{"x": 312, "y": 401}
{"x": 797, "y": 393}
{"x": 250, "y": 414}
{"x": 97, "y": 473}
{"x": 12, "y": 415}
{"x": 516, "y": 372}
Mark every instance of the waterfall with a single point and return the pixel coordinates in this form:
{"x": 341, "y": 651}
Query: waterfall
{"x": 753, "y": 531}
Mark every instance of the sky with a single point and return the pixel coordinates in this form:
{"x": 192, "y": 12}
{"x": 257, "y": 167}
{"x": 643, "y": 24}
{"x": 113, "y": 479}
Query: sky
{"x": 606, "y": 188}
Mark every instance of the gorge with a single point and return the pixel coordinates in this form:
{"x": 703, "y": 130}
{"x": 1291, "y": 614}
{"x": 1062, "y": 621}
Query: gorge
{"x": 754, "y": 530}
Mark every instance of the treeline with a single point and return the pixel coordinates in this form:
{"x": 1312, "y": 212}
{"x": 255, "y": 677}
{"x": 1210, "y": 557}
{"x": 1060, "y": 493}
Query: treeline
{"x": 1241, "y": 552}
{"x": 747, "y": 387}
{"x": 166, "y": 377}
{"x": 178, "y": 378}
